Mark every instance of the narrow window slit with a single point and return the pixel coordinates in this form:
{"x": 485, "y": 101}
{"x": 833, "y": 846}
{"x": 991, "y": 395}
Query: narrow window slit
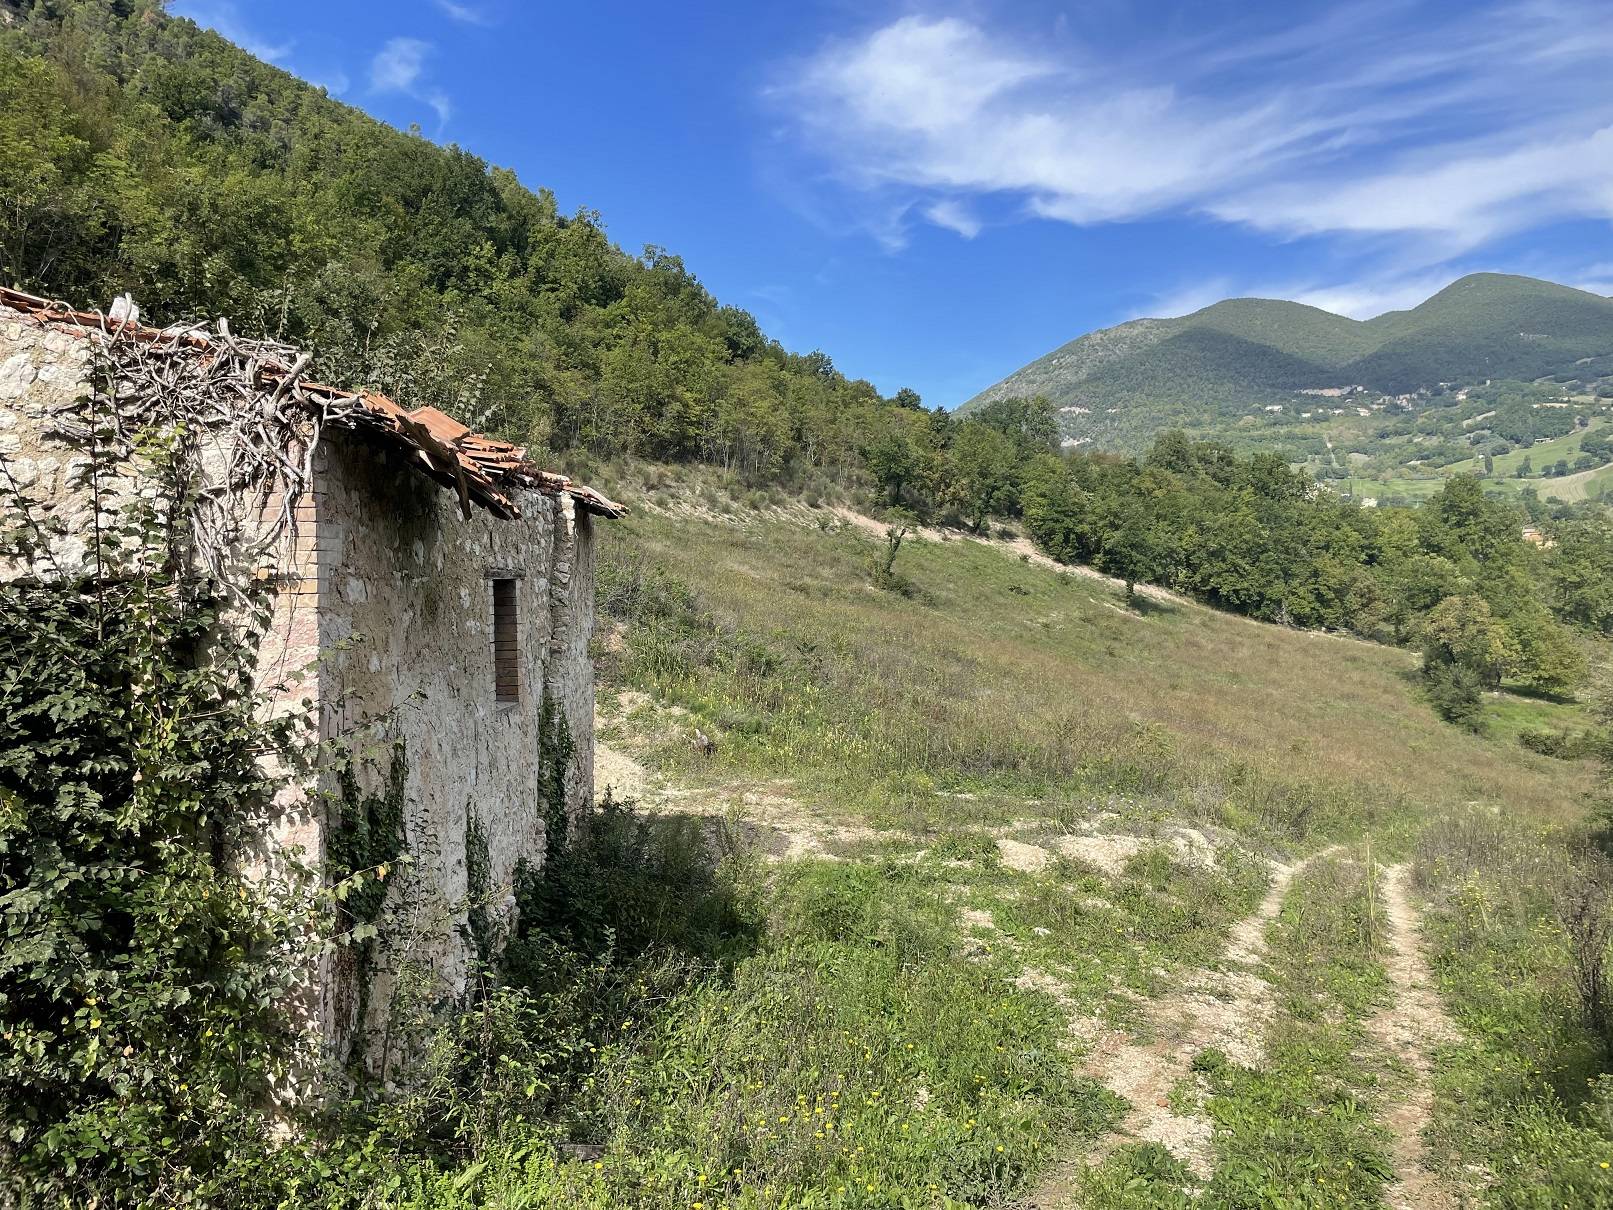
{"x": 506, "y": 646}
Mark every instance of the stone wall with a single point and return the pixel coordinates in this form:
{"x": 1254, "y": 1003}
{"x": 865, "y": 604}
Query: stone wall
{"x": 44, "y": 372}
{"x": 382, "y": 620}
{"x": 400, "y": 620}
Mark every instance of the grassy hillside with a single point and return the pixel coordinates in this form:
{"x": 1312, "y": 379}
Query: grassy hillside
{"x": 1043, "y": 823}
{"x": 1002, "y": 678}
{"x": 1220, "y": 368}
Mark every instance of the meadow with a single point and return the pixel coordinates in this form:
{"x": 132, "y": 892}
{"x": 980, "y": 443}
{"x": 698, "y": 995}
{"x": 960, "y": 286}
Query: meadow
{"x": 994, "y": 890}
{"x": 1008, "y": 846}
{"x": 1002, "y": 678}
{"x": 1503, "y": 477}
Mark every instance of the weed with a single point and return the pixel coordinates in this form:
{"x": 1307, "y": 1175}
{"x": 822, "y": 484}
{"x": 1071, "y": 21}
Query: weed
{"x": 1523, "y": 1095}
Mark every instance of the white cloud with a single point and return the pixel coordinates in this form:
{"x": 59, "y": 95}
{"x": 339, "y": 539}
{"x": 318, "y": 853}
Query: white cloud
{"x": 397, "y": 65}
{"x": 467, "y": 14}
{"x": 1364, "y": 298}
{"x": 224, "y": 18}
{"x": 1359, "y": 298}
{"x": 954, "y": 216}
{"x": 1184, "y": 300}
{"x": 1375, "y": 119}
{"x": 1469, "y": 197}
{"x": 440, "y": 102}
{"x": 1598, "y": 279}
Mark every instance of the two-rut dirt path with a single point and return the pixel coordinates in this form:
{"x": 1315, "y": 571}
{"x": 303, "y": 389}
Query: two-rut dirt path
{"x": 1229, "y": 1009}
{"x": 1226, "y": 1009}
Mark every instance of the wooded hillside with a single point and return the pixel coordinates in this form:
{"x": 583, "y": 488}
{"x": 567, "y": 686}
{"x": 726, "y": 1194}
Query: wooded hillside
{"x": 140, "y": 153}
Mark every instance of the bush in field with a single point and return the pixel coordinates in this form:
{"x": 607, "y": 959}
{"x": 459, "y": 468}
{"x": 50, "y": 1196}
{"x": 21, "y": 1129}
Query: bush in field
{"x": 1564, "y": 745}
{"x": 1456, "y": 693}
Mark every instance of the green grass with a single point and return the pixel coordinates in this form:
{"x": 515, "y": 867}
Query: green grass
{"x": 865, "y": 1051}
{"x": 1508, "y": 715}
{"x": 894, "y": 1027}
{"x": 1583, "y": 485}
{"x": 859, "y": 1057}
{"x": 1540, "y": 456}
{"x": 875, "y": 1051}
{"x": 1525, "y": 1096}
{"x": 1103, "y": 936}
{"x": 1300, "y": 1129}
{"x": 1580, "y": 485}
{"x": 1036, "y": 692}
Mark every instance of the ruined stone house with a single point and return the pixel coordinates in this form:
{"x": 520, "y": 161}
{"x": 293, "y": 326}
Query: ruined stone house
{"x": 433, "y": 589}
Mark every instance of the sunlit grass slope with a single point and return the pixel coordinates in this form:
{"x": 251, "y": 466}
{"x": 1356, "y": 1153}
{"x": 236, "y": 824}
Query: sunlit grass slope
{"x": 998, "y": 679}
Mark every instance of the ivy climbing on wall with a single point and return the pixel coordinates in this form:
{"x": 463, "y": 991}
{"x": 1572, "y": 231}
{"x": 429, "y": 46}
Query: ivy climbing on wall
{"x": 555, "y": 750}
{"x": 482, "y": 934}
{"x": 143, "y": 969}
{"x": 368, "y": 842}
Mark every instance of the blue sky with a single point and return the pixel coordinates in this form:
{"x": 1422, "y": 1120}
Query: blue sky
{"x": 934, "y": 194}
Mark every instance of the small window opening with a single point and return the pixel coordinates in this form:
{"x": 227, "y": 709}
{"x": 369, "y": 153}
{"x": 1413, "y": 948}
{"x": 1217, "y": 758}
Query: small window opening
{"x": 506, "y": 648}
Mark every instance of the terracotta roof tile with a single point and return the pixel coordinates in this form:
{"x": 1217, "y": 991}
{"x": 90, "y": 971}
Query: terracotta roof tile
{"x": 480, "y": 468}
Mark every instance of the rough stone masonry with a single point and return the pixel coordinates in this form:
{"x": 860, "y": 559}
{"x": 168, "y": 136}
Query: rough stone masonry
{"x": 434, "y": 591}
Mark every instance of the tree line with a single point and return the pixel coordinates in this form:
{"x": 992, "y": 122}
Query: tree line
{"x": 1251, "y": 535}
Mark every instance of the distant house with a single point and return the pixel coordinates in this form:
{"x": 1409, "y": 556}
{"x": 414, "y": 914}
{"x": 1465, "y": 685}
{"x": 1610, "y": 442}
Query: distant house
{"x": 435, "y": 588}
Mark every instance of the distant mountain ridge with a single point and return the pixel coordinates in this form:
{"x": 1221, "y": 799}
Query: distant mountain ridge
{"x": 1121, "y": 384}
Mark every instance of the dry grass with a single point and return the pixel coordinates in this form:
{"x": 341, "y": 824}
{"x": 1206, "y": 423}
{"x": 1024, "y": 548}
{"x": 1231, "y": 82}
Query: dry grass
{"x": 1011, "y": 680}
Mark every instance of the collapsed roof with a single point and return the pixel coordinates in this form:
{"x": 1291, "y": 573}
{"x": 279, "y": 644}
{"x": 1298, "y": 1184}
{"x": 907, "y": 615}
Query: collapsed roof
{"x": 482, "y": 470}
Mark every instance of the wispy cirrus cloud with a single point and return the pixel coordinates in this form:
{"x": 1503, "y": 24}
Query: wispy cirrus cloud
{"x": 1598, "y": 279}
{"x": 397, "y": 65}
{"x": 465, "y": 14}
{"x": 1381, "y": 120}
{"x": 224, "y": 17}
{"x": 954, "y": 216}
{"x": 1359, "y": 298}
{"x": 400, "y": 67}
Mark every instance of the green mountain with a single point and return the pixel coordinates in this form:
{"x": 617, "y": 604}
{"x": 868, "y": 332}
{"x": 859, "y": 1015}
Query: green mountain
{"x": 1214, "y": 368}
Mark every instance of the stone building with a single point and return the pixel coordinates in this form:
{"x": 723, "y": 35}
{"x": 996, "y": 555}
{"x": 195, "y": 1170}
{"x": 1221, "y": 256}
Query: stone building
{"x": 430, "y": 591}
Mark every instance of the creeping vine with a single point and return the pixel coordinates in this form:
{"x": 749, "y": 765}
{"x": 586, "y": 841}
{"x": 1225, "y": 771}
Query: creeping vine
{"x": 368, "y": 841}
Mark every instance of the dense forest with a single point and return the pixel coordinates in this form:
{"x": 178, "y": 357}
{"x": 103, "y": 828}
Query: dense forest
{"x": 140, "y": 153}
